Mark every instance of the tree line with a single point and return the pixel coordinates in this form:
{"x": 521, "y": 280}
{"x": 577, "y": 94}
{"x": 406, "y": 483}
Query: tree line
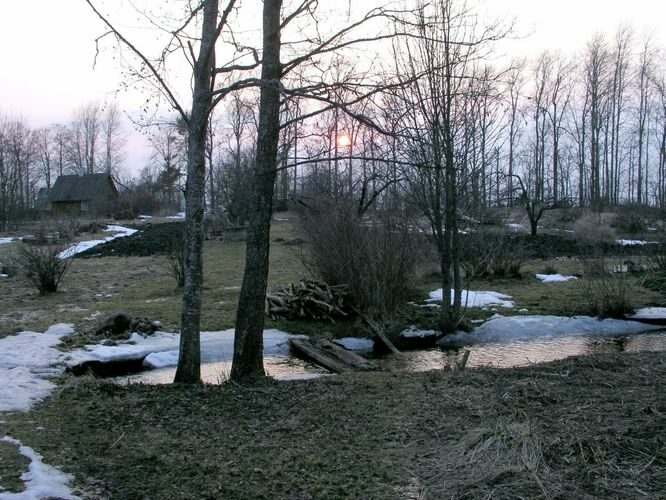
{"x": 385, "y": 109}
{"x": 32, "y": 158}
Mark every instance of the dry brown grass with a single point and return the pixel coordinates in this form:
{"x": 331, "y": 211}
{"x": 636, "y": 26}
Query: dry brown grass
{"x": 140, "y": 286}
{"x": 578, "y": 428}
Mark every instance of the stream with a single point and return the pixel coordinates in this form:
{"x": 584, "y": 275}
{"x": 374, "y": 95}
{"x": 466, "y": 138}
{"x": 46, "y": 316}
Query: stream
{"x": 500, "y": 354}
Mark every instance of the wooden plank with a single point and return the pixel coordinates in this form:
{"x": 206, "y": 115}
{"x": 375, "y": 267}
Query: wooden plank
{"x": 306, "y": 348}
{"x": 381, "y": 335}
{"x": 345, "y": 355}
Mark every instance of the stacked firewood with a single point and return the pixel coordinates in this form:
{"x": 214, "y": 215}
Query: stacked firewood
{"x": 308, "y": 299}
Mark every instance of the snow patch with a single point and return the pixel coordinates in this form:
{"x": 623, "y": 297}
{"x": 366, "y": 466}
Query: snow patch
{"x": 414, "y": 333}
{"x": 530, "y": 327}
{"x": 356, "y": 344}
{"x": 553, "y": 278}
{"x": 179, "y": 215}
{"x": 26, "y": 362}
{"x": 41, "y": 480}
{"x": 82, "y": 246}
{"x": 161, "y": 349}
{"x": 6, "y": 240}
{"x": 476, "y": 299}
{"x": 625, "y": 243}
{"x": 650, "y": 313}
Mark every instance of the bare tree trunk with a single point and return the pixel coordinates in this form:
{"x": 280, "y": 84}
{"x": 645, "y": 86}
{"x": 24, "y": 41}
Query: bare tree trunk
{"x": 248, "y": 343}
{"x": 189, "y": 358}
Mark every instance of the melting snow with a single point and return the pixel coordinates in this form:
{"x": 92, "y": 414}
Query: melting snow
{"x": 161, "y": 349}
{"x": 355, "y": 344}
{"x": 625, "y": 243}
{"x": 85, "y": 245}
{"x": 650, "y": 313}
{"x": 551, "y": 278}
{"x": 529, "y": 327}
{"x": 26, "y": 362}
{"x": 476, "y": 299}
{"x": 41, "y": 480}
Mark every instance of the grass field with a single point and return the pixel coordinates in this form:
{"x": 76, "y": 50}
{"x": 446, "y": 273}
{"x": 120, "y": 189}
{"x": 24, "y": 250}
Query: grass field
{"x": 143, "y": 287}
{"x": 581, "y": 427}
{"x": 578, "y": 428}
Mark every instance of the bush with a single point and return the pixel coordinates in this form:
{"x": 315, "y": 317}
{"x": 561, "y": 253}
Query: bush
{"x": 8, "y": 268}
{"x": 375, "y": 258}
{"x": 590, "y": 229}
{"x": 549, "y": 269}
{"x": 485, "y": 254}
{"x": 175, "y": 259}
{"x": 608, "y": 293}
{"x": 42, "y": 266}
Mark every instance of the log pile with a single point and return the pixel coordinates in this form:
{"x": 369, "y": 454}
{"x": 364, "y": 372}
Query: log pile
{"x": 308, "y": 299}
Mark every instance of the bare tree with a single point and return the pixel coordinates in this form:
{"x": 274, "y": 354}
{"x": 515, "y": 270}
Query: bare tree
{"x": 83, "y": 143}
{"x": 643, "y": 81}
{"x": 438, "y": 60}
{"x": 596, "y": 67}
{"x": 294, "y": 77}
{"x": 43, "y": 146}
{"x": 201, "y": 26}
{"x": 168, "y": 162}
{"x": 113, "y": 140}
{"x": 515, "y": 84}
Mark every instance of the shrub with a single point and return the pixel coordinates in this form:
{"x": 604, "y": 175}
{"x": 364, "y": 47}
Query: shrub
{"x": 632, "y": 219}
{"x": 549, "y": 269}
{"x": 375, "y": 258}
{"x": 608, "y": 293}
{"x": 8, "y": 268}
{"x": 42, "y": 266}
{"x": 656, "y": 258}
{"x": 486, "y": 254}
{"x": 175, "y": 259}
{"x": 591, "y": 230}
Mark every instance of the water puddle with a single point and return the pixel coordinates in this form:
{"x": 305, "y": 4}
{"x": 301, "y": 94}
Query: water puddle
{"x": 515, "y": 353}
{"x": 505, "y": 354}
{"x": 277, "y": 367}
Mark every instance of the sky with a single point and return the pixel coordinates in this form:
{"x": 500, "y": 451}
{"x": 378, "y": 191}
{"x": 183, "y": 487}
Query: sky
{"x": 47, "y": 51}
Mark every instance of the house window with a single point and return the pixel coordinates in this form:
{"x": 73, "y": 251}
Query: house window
{"x": 84, "y": 206}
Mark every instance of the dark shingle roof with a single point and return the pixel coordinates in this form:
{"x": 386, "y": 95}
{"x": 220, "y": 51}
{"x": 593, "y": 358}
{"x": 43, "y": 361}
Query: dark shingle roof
{"x": 82, "y": 187}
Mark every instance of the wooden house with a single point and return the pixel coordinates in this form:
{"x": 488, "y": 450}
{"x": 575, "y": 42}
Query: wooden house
{"x": 82, "y": 194}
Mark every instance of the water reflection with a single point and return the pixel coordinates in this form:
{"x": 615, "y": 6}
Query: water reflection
{"x": 522, "y": 352}
{"x": 507, "y": 354}
{"x": 280, "y": 368}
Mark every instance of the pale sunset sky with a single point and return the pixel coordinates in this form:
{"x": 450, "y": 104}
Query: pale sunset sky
{"x": 47, "y": 50}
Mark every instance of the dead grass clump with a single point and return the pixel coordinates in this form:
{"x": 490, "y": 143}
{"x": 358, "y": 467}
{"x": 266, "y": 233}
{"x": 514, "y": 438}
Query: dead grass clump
{"x": 608, "y": 293}
{"x": 508, "y": 452}
{"x": 175, "y": 260}
{"x": 486, "y": 255}
{"x": 591, "y": 229}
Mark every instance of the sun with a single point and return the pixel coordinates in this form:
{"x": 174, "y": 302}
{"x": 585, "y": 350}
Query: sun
{"x": 344, "y": 140}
